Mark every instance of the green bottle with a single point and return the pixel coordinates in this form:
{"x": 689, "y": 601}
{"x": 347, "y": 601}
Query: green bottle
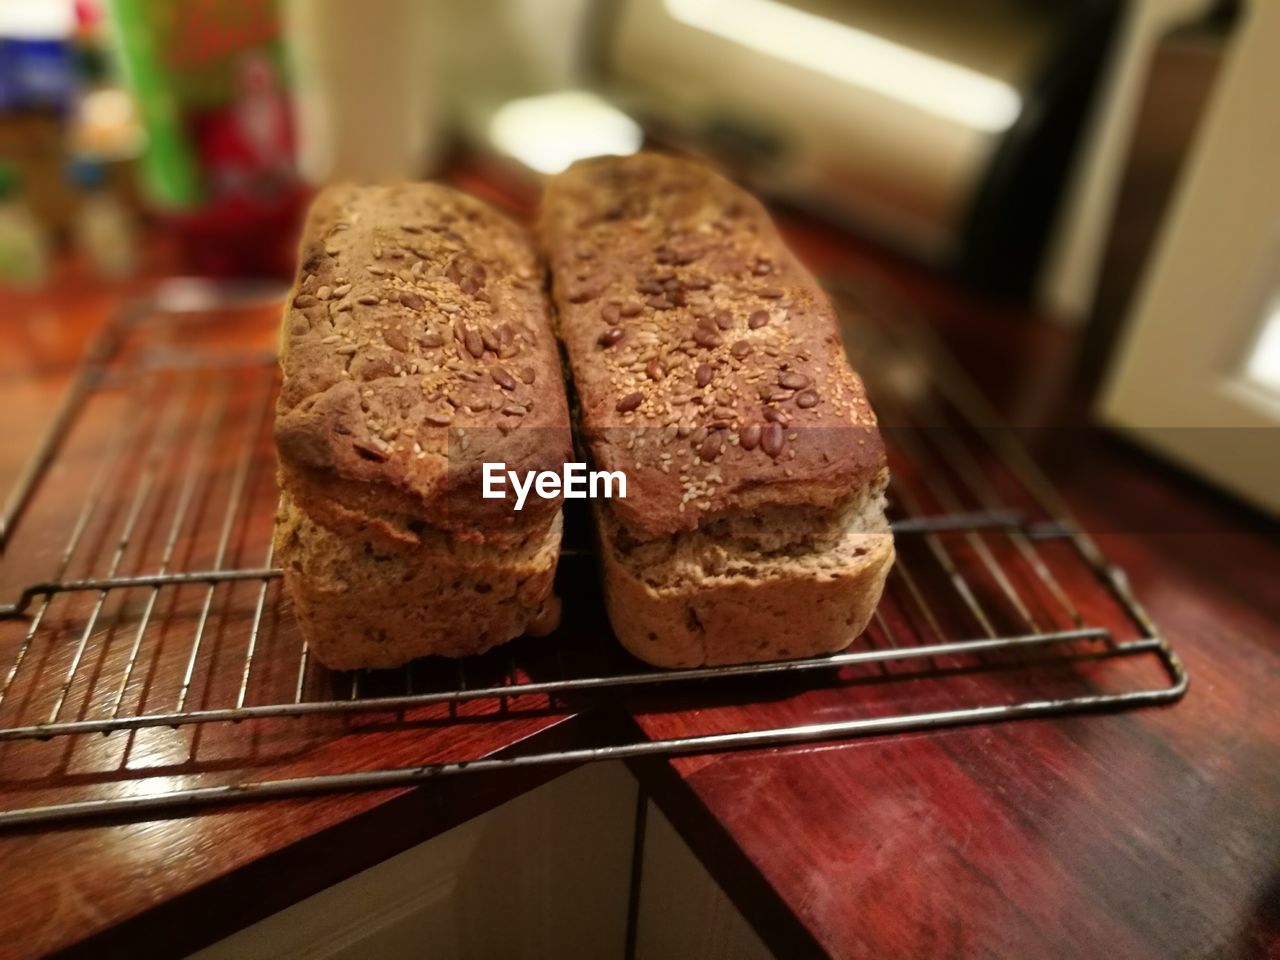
{"x": 169, "y": 168}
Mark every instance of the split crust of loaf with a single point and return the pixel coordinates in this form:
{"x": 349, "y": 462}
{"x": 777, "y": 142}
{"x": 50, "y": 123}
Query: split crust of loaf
{"x": 361, "y": 607}
{"x": 700, "y": 599}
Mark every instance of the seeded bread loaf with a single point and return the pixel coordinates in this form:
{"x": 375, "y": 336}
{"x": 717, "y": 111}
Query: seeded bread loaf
{"x": 709, "y": 369}
{"x": 416, "y": 346}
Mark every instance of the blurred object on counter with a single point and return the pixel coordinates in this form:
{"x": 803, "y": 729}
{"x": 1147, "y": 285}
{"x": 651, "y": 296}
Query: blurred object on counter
{"x": 1069, "y": 285}
{"x": 33, "y": 144}
{"x": 37, "y": 65}
{"x": 513, "y": 65}
{"x": 37, "y": 82}
{"x": 1196, "y": 375}
{"x": 168, "y": 166}
{"x": 106, "y": 126}
{"x": 104, "y": 232}
{"x": 103, "y": 121}
{"x": 238, "y": 236}
{"x": 547, "y": 133}
{"x": 980, "y": 136}
{"x": 23, "y": 245}
{"x": 944, "y": 129}
{"x": 1185, "y": 67}
{"x": 210, "y": 84}
{"x": 209, "y": 80}
{"x": 58, "y": 103}
{"x": 367, "y": 86}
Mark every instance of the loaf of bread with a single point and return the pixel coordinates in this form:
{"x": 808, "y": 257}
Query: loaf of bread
{"x": 708, "y": 368}
{"x": 416, "y": 346}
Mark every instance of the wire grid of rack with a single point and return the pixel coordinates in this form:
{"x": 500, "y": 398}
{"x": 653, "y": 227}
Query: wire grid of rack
{"x": 137, "y": 590}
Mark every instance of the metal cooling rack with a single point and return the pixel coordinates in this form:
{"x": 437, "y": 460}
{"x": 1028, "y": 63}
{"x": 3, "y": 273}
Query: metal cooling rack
{"x": 137, "y": 589}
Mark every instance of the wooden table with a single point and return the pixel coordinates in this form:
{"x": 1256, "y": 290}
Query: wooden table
{"x": 1146, "y": 834}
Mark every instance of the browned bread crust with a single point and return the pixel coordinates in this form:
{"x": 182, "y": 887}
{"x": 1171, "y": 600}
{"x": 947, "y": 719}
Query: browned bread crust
{"x": 416, "y": 346}
{"x": 706, "y": 359}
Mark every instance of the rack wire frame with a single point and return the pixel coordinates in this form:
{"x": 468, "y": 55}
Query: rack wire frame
{"x": 985, "y": 516}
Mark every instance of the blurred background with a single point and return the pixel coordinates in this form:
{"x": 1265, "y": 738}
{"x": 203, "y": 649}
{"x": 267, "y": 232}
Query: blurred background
{"x": 1102, "y": 165}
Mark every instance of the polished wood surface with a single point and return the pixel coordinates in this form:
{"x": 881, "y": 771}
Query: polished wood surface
{"x": 1149, "y": 834}
{"x": 1154, "y": 833}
